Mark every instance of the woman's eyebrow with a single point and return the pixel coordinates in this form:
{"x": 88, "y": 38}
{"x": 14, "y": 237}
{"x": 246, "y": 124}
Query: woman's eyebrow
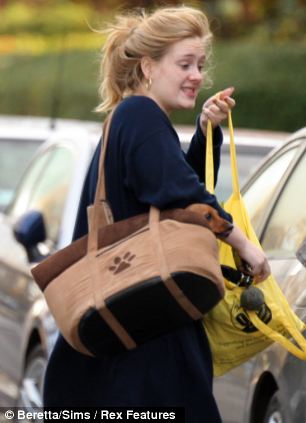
{"x": 184, "y": 56}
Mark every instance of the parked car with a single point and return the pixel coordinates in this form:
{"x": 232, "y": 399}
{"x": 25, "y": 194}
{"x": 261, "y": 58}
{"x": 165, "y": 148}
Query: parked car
{"x": 52, "y": 185}
{"x": 271, "y": 388}
{"x": 20, "y": 137}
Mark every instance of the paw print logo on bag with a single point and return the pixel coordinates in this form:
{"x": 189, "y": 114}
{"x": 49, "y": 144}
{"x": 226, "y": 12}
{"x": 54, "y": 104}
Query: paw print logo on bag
{"x": 121, "y": 263}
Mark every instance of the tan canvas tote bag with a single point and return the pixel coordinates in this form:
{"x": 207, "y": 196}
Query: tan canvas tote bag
{"x": 130, "y": 281}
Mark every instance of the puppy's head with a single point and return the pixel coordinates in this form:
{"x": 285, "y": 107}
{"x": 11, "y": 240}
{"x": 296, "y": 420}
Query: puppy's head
{"x": 219, "y": 226}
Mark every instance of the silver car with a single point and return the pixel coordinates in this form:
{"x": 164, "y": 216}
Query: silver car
{"x": 271, "y": 388}
{"x": 51, "y": 185}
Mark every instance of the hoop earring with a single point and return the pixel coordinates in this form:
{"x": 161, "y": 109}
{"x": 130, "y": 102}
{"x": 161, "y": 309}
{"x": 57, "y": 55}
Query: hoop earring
{"x": 148, "y": 84}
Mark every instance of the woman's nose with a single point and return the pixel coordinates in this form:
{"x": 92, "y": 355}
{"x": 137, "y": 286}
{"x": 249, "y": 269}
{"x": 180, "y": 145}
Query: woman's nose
{"x": 196, "y": 74}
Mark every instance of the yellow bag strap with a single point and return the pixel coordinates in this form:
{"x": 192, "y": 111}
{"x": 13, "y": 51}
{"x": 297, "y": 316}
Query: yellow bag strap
{"x": 297, "y": 350}
{"x": 234, "y": 166}
{"x": 209, "y": 167}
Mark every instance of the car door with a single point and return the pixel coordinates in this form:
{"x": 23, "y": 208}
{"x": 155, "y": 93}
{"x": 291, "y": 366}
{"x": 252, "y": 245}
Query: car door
{"x": 279, "y": 217}
{"x": 44, "y": 188}
{"x": 283, "y": 233}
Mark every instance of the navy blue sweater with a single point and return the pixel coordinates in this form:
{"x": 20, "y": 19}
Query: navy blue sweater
{"x": 144, "y": 165}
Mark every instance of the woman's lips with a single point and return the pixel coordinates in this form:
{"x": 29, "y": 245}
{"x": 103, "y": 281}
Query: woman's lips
{"x": 190, "y": 92}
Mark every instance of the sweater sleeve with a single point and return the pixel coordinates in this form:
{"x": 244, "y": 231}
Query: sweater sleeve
{"x": 158, "y": 174}
{"x": 196, "y": 153}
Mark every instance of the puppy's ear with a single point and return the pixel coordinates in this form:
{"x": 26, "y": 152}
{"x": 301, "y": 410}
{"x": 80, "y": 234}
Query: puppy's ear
{"x": 194, "y": 208}
{"x": 200, "y": 208}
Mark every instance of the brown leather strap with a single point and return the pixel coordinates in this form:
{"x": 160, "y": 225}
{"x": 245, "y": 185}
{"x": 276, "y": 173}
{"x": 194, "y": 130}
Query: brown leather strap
{"x": 100, "y": 192}
{"x": 117, "y": 328}
{"x": 170, "y": 284}
{"x": 99, "y": 215}
{"x": 181, "y": 298}
{"x": 100, "y": 305}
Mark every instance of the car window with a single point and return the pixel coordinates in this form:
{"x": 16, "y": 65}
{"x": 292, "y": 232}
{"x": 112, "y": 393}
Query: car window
{"x": 247, "y": 163}
{"x": 24, "y": 191}
{"x": 248, "y": 159}
{"x": 286, "y": 228}
{"x": 15, "y": 155}
{"x": 45, "y": 188}
{"x": 259, "y": 195}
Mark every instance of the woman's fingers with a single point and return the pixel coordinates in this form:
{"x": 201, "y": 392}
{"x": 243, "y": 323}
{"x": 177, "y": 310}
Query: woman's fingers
{"x": 263, "y": 273}
{"x": 214, "y": 114}
{"x": 227, "y": 92}
{"x": 257, "y": 260}
{"x": 225, "y": 105}
{"x": 216, "y": 108}
{"x": 261, "y": 269}
{"x": 250, "y": 253}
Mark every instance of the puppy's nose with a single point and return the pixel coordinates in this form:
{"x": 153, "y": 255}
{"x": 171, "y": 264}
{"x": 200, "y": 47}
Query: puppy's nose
{"x": 227, "y": 231}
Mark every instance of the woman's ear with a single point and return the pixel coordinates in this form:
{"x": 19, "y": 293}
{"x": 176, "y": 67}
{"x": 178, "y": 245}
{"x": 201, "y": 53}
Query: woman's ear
{"x": 146, "y": 64}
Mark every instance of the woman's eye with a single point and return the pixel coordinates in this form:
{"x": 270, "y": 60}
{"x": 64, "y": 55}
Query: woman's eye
{"x": 185, "y": 66}
{"x": 201, "y": 67}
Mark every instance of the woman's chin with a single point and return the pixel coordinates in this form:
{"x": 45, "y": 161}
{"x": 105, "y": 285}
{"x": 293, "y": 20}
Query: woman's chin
{"x": 188, "y": 104}
{"x": 190, "y": 101}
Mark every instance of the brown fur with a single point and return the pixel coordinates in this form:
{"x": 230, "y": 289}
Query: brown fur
{"x": 219, "y": 226}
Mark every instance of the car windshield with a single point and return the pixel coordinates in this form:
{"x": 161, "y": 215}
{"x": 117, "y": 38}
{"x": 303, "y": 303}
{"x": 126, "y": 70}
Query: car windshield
{"x": 15, "y": 155}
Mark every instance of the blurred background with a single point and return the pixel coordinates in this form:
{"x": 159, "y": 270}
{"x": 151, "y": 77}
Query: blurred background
{"x": 49, "y": 58}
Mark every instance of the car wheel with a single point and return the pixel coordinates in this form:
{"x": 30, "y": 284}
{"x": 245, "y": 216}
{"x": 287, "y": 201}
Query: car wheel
{"x": 32, "y": 382}
{"x": 275, "y": 412}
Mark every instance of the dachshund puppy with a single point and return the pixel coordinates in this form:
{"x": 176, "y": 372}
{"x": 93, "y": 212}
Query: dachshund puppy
{"x": 219, "y": 226}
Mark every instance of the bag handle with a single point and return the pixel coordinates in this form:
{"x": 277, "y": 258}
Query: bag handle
{"x": 234, "y": 166}
{"x": 101, "y": 192}
{"x": 209, "y": 167}
{"x": 209, "y": 160}
{"x": 298, "y": 350}
{"x": 99, "y": 214}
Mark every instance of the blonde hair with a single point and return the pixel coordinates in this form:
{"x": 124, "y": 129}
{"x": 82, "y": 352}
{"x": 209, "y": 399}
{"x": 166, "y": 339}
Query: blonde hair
{"x": 138, "y": 35}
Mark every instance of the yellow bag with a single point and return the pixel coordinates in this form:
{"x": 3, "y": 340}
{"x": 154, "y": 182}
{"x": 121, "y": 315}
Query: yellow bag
{"x": 235, "y": 334}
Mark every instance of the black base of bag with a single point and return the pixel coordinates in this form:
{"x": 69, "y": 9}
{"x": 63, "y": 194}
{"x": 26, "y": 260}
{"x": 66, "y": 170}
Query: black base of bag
{"x": 155, "y": 312}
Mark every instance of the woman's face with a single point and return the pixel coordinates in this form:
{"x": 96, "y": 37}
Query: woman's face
{"x": 177, "y": 77}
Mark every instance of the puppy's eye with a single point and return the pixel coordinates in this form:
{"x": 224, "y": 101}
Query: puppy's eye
{"x": 208, "y": 216}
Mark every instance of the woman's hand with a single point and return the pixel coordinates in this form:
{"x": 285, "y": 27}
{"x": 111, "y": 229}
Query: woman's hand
{"x": 259, "y": 266}
{"x": 247, "y": 251}
{"x": 216, "y": 108}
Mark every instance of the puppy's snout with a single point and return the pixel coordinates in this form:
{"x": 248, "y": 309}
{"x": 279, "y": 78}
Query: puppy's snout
{"x": 227, "y": 231}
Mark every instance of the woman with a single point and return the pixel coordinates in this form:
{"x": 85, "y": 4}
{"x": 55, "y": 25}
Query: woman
{"x": 151, "y": 66}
